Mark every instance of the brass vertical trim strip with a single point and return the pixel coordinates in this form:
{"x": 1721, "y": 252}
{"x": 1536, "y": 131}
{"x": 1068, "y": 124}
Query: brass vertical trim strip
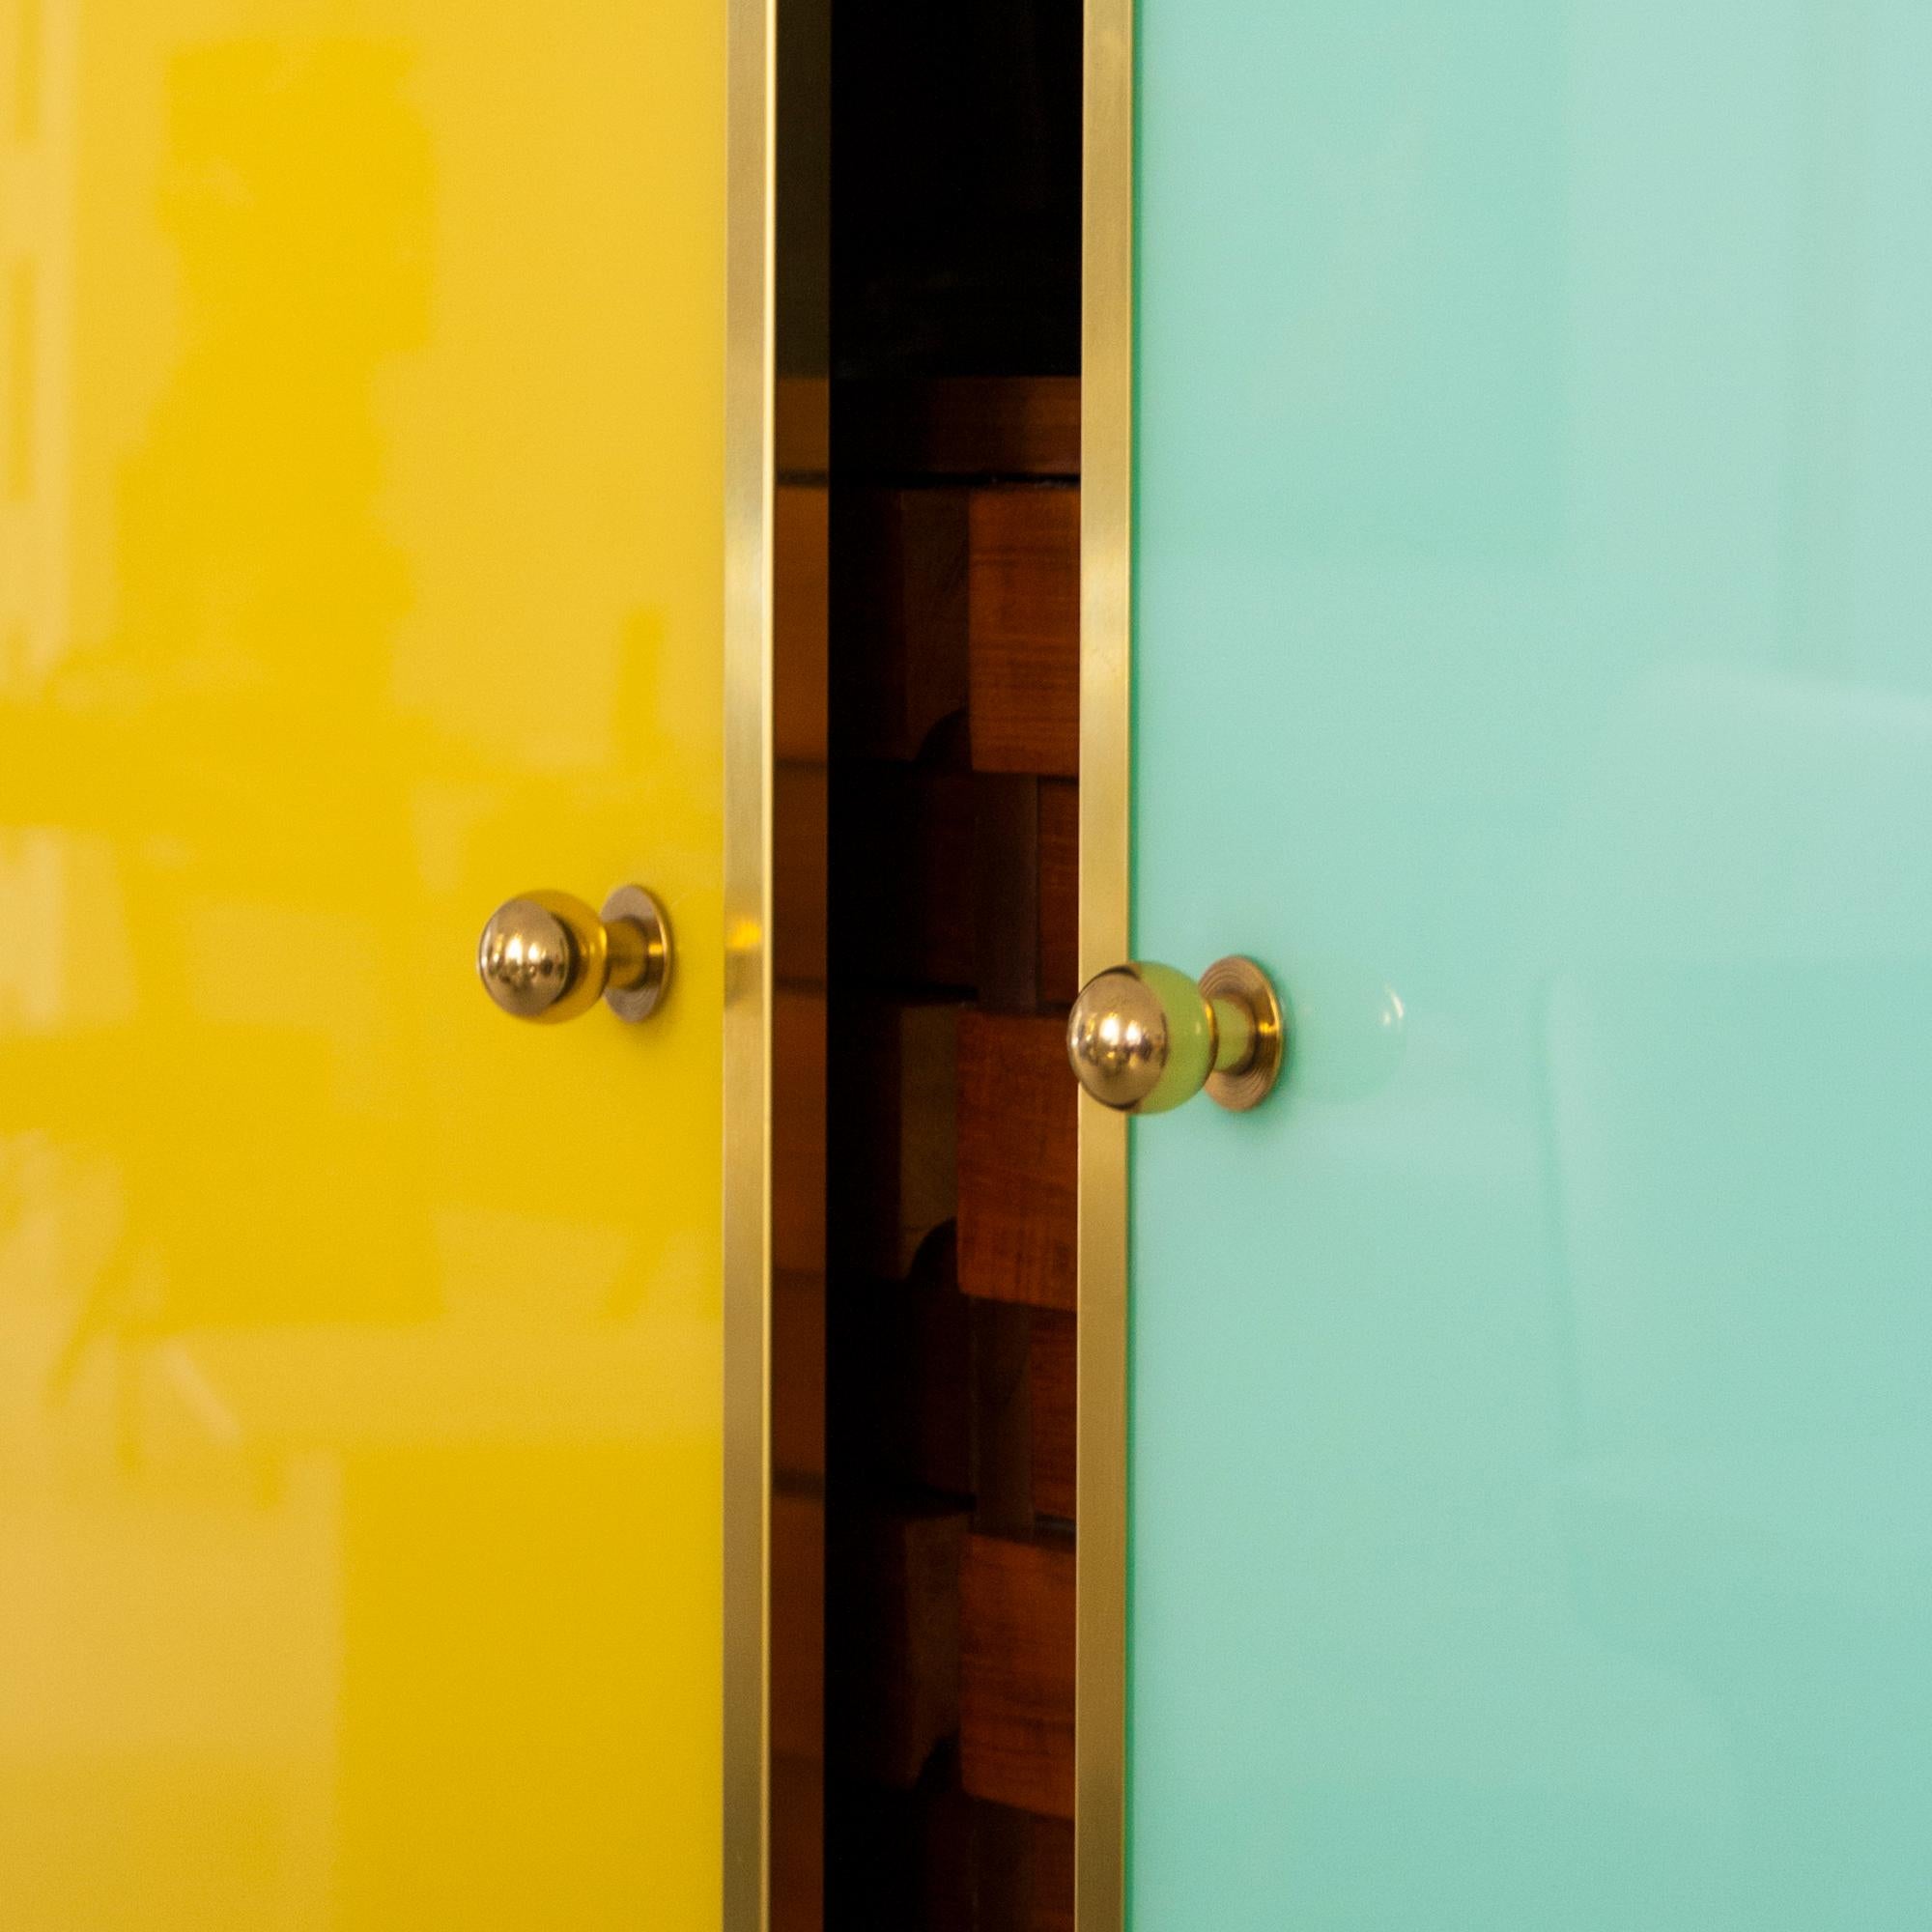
{"x": 1106, "y": 719}
{"x": 749, "y": 458}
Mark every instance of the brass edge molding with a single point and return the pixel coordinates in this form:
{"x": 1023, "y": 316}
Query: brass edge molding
{"x": 748, "y": 740}
{"x": 1106, "y": 716}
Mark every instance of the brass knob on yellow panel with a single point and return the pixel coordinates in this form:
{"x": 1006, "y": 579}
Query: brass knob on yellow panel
{"x": 1145, "y": 1037}
{"x": 546, "y": 957}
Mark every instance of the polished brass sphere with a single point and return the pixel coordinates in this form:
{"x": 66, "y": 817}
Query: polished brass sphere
{"x": 527, "y": 958}
{"x": 1116, "y": 1039}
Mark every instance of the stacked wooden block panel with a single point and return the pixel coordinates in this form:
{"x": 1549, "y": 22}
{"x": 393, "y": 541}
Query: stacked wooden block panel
{"x": 952, "y": 817}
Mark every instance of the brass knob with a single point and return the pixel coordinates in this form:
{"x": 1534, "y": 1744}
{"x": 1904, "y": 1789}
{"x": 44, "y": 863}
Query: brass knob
{"x": 546, "y": 957}
{"x": 1145, "y": 1037}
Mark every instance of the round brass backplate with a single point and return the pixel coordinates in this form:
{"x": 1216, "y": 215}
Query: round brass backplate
{"x": 1250, "y": 1083}
{"x": 641, "y": 997}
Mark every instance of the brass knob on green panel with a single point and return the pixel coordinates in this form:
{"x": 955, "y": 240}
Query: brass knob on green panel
{"x": 1145, "y": 1037}
{"x": 546, "y": 957}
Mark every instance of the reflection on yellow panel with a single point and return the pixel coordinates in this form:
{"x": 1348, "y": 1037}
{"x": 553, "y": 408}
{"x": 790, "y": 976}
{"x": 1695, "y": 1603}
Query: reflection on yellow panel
{"x": 361, "y": 562}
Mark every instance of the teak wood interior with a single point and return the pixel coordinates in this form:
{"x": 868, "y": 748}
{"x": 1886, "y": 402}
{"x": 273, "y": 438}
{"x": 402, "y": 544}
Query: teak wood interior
{"x": 924, "y": 824}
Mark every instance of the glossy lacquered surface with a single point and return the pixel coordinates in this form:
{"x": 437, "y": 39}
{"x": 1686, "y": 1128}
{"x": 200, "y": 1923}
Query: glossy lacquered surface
{"x": 359, "y": 1347}
{"x": 1530, "y": 1445}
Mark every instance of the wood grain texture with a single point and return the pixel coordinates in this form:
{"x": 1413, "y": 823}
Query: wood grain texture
{"x": 798, "y": 1130}
{"x": 803, "y": 427}
{"x": 1005, "y": 890}
{"x": 1001, "y": 1425}
{"x": 1052, "y": 1900}
{"x": 947, "y": 879}
{"x": 798, "y": 1844}
{"x": 1023, "y": 1870}
{"x": 898, "y": 659}
{"x": 1023, "y": 627}
{"x": 1053, "y": 1370}
{"x": 1026, "y": 426}
{"x": 1017, "y": 1154}
{"x": 801, "y": 619}
{"x": 1059, "y": 892}
{"x": 799, "y": 856}
{"x": 894, "y": 1096}
{"x": 798, "y": 1597}
{"x": 798, "y": 1382}
{"x": 1016, "y": 1674}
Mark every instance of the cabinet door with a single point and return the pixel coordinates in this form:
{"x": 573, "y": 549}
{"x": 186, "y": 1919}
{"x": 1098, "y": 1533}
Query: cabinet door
{"x": 360, "y": 482}
{"x": 1534, "y": 669}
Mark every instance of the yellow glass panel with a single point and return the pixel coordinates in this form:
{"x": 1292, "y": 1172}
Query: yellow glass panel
{"x": 360, "y": 566}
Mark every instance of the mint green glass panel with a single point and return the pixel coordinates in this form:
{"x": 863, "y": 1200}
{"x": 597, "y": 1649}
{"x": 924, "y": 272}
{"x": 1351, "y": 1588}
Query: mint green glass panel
{"x": 1532, "y": 1429}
